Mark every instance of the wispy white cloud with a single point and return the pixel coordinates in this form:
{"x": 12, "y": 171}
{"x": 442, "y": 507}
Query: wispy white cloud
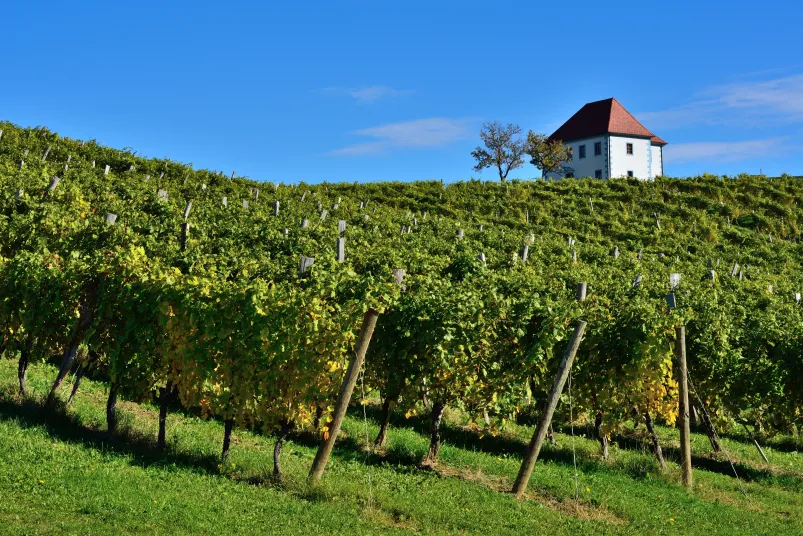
{"x": 787, "y": 69}
{"x": 758, "y": 102}
{"x": 369, "y": 147}
{"x": 368, "y": 94}
{"x": 781, "y": 95}
{"x": 421, "y": 133}
{"x": 725, "y": 151}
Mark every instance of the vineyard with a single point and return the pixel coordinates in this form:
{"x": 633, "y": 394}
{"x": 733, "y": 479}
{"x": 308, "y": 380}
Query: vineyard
{"x": 246, "y": 302}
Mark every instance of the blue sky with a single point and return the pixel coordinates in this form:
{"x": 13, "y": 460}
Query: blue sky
{"x": 345, "y": 91}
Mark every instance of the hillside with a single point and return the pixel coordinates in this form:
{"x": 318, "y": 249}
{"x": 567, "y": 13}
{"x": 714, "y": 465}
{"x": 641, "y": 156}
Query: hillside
{"x": 182, "y": 287}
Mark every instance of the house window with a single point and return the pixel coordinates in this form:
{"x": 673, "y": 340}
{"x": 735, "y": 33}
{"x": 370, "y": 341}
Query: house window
{"x": 571, "y": 154}
{"x": 629, "y": 148}
{"x": 598, "y": 148}
{"x": 570, "y": 174}
{"x": 582, "y": 151}
{"x": 598, "y": 174}
{"x": 629, "y": 173}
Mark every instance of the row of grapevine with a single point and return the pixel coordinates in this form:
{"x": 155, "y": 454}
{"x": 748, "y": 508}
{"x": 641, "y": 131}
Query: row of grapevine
{"x": 193, "y": 289}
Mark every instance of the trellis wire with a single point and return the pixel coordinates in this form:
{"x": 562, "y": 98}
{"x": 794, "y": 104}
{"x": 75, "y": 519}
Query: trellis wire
{"x": 574, "y": 454}
{"x": 716, "y": 435}
{"x": 367, "y": 437}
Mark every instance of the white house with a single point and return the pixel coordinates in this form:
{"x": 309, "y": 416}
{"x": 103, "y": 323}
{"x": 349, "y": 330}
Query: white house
{"x": 607, "y": 141}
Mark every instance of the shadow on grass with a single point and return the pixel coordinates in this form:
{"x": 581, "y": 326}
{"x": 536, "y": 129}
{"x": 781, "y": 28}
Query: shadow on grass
{"x": 62, "y": 425}
{"x": 715, "y": 464}
{"x": 507, "y": 444}
{"x": 399, "y": 456}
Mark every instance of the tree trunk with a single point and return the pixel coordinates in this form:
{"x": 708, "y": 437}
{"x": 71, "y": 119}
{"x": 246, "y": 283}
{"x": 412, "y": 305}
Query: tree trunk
{"x": 66, "y": 365}
{"x": 435, "y": 432}
{"x": 603, "y": 440}
{"x": 709, "y": 429}
{"x": 72, "y": 350}
{"x": 79, "y": 374}
{"x": 111, "y": 407}
{"x": 277, "y": 449}
{"x": 164, "y": 401}
{"x": 228, "y": 425}
{"x": 382, "y": 437}
{"x": 22, "y": 369}
{"x": 656, "y": 446}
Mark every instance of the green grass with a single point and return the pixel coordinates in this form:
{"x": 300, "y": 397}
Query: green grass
{"x": 61, "y": 473}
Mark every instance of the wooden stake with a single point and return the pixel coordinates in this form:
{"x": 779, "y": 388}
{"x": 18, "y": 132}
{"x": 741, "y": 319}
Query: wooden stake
{"x": 306, "y": 262}
{"x": 346, "y": 389}
{"x": 52, "y": 186}
{"x": 761, "y": 451}
{"x": 341, "y": 249}
{"x": 683, "y": 409}
{"x": 534, "y": 448}
{"x": 185, "y": 235}
{"x": 581, "y": 291}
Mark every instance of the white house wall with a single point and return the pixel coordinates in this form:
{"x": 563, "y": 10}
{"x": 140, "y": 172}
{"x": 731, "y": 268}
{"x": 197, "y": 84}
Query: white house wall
{"x": 645, "y": 162}
{"x": 657, "y": 161}
{"x": 586, "y": 167}
{"x": 640, "y": 162}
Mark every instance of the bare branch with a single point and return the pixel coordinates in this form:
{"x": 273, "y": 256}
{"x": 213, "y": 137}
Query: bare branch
{"x": 504, "y": 148}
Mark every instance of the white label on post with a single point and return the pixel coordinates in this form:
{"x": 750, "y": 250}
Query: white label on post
{"x": 674, "y": 280}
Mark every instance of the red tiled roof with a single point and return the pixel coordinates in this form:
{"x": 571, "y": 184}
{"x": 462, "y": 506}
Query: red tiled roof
{"x": 602, "y": 117}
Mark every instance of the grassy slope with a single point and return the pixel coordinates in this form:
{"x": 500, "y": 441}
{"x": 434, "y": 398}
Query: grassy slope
{"x": 64, "y": 475}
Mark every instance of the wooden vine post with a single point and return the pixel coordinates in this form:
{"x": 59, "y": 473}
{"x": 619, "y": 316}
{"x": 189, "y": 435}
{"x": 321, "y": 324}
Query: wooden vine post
{"x": 685, "y": 439}
{"x": 545, "y": 421}
{"x": 343, "y": 399}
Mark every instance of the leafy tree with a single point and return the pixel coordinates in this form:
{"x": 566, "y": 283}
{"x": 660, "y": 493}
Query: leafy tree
{"x": 545, "y": 154}
{"x": 504, "y": 148}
